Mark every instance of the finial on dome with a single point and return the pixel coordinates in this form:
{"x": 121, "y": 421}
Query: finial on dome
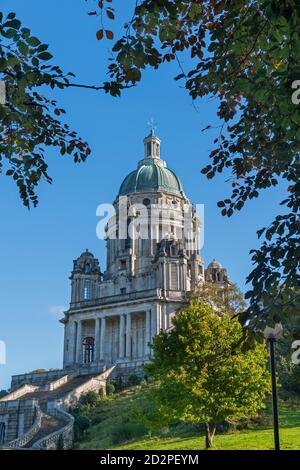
{"x": 153, "y": 127}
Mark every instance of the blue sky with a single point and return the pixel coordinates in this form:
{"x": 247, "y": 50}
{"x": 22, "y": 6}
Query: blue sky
{"x": 37, "y": 247}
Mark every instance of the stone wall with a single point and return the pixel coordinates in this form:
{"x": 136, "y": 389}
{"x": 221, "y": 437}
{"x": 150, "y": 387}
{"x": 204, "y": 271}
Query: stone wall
{"x": 123, "y": 372}
{"x": 18, "y": 417}
{"x": 35, "y": 378}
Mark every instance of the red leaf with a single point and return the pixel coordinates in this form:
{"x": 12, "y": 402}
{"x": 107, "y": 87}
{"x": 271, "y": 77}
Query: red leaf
{"x": 110, "y": 14}
{"x": 109, "y": 34}
{"x": 99, "y": 34}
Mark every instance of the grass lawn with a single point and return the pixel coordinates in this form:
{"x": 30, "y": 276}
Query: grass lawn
{"x": 112, "y": 414}
{"x": 254, "y": 439}
{"x": 246, "y": 440}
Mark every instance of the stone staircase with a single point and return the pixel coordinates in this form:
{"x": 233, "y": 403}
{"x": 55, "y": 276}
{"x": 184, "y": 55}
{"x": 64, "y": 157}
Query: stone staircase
{"x": 52, "y": 402}
{"x": 44, "y": 397}
{"x": 49, "y": 425}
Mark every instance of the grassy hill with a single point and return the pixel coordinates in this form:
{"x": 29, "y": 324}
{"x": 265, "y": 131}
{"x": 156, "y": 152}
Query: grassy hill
{"x": 112, "y": 427}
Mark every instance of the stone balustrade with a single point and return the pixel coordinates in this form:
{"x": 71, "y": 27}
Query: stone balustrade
{"x": 92, "y": 385}
{"x": 15, "y": 395}
{"x": 111, "y": 299}
{"x": 50, "y": 442}
{"x": 61, "y": 381}
{"x": 23, "y": 440}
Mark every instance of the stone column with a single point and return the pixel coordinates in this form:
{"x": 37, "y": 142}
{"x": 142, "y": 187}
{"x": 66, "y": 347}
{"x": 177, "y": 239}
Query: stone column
{"x": 128, "y": 336}
{"x": 148, "y": 332}
{"x": 163, "y": 322}
{"x": 184, "y": 274}
{"x": 121, "y": 337}
{"x": 155, "y": 321}
{"x": 67, "y": 345}
{"x": 97, "y": 339}
{"x": 180, "y": 286}
{"x": 79, "y": 343}
{"x": 102, "y": 338}
{"x": 165, "y": 280}
{"x": 74, "y": 342}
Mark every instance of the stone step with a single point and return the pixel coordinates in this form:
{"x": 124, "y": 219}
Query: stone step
{"x": 45, "y": 396}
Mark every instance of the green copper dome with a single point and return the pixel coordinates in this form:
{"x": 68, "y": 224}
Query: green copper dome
{"x": 152, "y": 175}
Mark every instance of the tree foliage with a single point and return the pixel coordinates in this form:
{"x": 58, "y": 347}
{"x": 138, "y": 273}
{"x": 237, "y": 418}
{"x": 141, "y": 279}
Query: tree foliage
{"x": 3, "y": 393}
{"x": 206, "y": 373}
{"x": 29, "y": 120}
{"x": 225, "y": 300}
{"x": 245, "y": 54}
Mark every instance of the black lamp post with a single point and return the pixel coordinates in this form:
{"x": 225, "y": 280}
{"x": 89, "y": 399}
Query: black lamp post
{"x": 272, "y": 335}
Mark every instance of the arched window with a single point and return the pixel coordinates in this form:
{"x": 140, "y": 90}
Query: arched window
{"x": 174, "y": 277}
{"x": 157, "y": 150}
{"x": 2, "y": 433}
{"x": 87, "y": 268}
{"x": 87, "y": 290}
{"x": 148, "y": 149}
{"x": 172, "y": 223}
{"x": 88, "y": 350}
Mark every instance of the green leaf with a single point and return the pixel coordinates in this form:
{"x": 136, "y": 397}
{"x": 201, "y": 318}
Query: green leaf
{"x": 9, "y": 33}
{"x": 45, "y": 56}
{"x": 15, "y": 24}
{"x": 34, "y": 42}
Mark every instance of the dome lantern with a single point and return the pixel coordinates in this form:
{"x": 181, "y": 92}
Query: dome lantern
{"x": 152, "y": 146}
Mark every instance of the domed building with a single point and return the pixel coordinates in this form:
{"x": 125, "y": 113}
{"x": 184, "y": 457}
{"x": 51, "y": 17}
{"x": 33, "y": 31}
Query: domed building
{"x": 153, "y": 263}
{"x": 114, "y": 314}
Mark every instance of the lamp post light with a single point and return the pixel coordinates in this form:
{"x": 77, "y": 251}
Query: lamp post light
{"x": 272, "y": 335}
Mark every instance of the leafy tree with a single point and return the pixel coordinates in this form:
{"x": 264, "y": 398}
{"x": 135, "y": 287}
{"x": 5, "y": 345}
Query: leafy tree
{"x": 29, "y": 120}
{"x": 82, "y": 423}
{"x": 90, "y": 399}
{"x": 225, "y": 300}
{"x": 245, "y": 54}
{"x": 3, "y": 393}
{"x": 206, "y": 373}
{"x": 110, "y": 388}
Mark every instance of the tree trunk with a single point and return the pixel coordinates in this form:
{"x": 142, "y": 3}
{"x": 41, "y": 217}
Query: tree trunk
{"x": 209, "y": 435}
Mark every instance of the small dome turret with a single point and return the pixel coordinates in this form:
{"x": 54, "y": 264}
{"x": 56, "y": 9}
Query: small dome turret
{"x": 216, "y": 273}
